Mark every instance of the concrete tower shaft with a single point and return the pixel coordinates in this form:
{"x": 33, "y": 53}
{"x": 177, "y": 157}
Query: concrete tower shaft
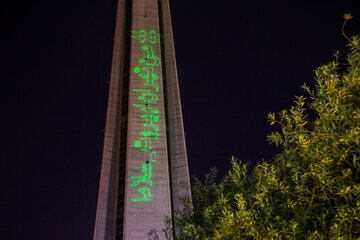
{"x": 144, "y": 156}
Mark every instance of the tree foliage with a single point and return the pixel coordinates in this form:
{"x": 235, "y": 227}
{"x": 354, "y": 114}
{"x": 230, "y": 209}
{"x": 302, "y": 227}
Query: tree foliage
{"x": 312, "y": 188}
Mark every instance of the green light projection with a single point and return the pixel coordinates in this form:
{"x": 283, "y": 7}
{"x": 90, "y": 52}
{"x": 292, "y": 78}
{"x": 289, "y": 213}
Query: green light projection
{"x": 147, "y": 70}
{"x": 146, "y": 169}
{"x": 147, "y": 96}
{"x": 149, "y": 133}
{"x": 144, "y": 144}
{"x": 150, "y": 77}
{"x": 154, "y": 61}
{"x": 146, "y": 193}
{"x": 150, "y": 116}
{"x": 153, "y": 156}
{"x": 143, "y": 36}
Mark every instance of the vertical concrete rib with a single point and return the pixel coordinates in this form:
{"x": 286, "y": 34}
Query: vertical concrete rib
{"x": 178, "y": 156}
{"x": 105, "y": 224}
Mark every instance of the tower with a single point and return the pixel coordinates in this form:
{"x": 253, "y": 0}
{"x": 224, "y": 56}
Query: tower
{"x": 144, "y": 157}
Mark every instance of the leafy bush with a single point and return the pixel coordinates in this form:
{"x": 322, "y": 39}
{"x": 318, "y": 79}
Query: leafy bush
{"x": 312, "y": 188}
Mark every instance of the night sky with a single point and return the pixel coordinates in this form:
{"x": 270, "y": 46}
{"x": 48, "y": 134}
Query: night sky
{"x": 237, "y": 61}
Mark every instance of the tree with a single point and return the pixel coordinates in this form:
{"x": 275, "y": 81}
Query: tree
{"x": 312, "y": 188}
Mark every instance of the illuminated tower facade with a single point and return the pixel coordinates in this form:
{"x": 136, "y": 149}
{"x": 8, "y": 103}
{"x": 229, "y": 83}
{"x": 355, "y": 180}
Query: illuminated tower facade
{"x": 144, "y": 157}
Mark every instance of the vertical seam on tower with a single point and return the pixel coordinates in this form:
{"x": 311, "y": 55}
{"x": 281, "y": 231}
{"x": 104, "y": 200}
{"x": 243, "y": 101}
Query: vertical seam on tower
{"x": 124, "y": 121}
{"x": 163, "y": 68}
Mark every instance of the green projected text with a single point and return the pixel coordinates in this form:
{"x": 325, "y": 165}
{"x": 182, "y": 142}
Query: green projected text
{"x": 147, "y": 96}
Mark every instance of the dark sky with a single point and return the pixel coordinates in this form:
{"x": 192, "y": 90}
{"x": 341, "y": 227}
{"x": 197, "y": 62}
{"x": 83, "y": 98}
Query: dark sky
{"x": 237, "y": 61}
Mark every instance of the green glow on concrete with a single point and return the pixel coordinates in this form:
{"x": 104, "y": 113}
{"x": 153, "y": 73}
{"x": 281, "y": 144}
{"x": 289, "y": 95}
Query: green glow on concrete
{"x": 146, "y": 169}
{"x": 147, "y": 195}
{"x": 152, "y": 125}
{"x": 149, "y": 133}
{"x": 150, "y": 56}
{"x": 148, "y": 70}
{"x": 143, "y": 36}
{"x": 153, "y": 156}
{"x": 147, "y": 96}
{"x": 142, "y": 142}
{"x": 150, "y": 115}
{"x": 150, "y": 77}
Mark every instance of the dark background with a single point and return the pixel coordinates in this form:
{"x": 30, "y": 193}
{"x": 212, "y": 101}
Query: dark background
{"x": 237, "y": 61}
